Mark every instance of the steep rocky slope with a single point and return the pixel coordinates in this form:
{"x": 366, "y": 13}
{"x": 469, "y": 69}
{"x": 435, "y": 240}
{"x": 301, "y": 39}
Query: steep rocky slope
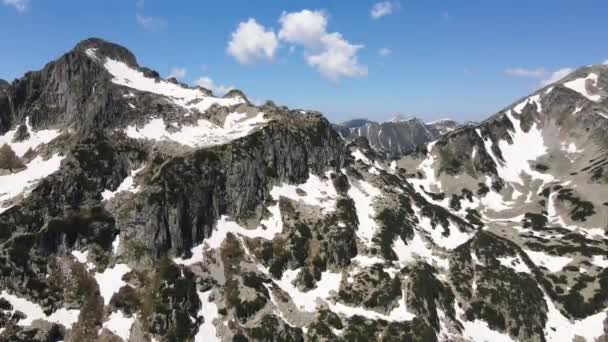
{"x": 395, "y": 137}
{"x": 151, "y": 211}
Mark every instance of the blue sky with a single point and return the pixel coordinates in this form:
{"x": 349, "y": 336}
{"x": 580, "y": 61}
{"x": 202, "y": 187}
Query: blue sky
{"x": 464, "y": 59}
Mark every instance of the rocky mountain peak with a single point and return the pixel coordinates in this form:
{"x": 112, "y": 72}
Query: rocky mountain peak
{"x": 399, "y": 118}
{"x": 235, "y": 93}
{"x": 102, "y": 49}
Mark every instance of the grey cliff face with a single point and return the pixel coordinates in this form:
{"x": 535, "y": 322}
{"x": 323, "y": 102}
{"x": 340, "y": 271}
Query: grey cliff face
{"x": 149, "y": 210}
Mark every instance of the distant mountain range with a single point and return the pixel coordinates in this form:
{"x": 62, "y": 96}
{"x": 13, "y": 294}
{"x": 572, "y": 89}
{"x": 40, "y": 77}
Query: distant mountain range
{"x": 395, "y": 137}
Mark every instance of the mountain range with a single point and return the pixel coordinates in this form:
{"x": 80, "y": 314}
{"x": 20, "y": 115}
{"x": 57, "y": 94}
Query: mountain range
{"x": 395, "y": 137}
{"x": 146, "y": 210}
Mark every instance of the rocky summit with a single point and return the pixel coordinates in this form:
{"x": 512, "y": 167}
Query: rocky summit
{"x": 140, "y": 209}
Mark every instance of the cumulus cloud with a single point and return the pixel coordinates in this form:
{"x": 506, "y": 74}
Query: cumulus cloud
{"x": 385, "y": 52}
{"x": 523, "y": 72}
{"x": 251, "y": 42}
{"x": 151, "y": 23}
{"x": 332, "y": 55}
{"x": 217, "y": 89}
{"x": 338, "y": 58}
{"x": 381, "y": 9}
{"x": 605, "y": 62}
{"x": 304, "y": 28}
{"x": 20, "y": 5}
{"x": 556, "y": 76}
{"x": 178, "y": 73}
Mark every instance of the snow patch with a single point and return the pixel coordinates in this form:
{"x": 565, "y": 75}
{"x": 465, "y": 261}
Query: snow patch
{"x": 600, "y": 261}
{"x": 560, "y": 328}
{"x": 82, "y": 257}
{"x": 119, "y": 324}
{"x": 398, "y": 314}
{"x": 206, "y": 331}
{"x": 307, "y": 301}
{"x": 478, "y": 330}
{"x": 455, "y": 239}
{"x": 358, "y": 155}
{"x": 110, "y": 281}
{"x": 551, "y": 262}
{"x": 34, "y": 311}
{"x": 224, "y": 226}
{"x": 126, "y": 185}
{"x": 417, "y": 248}
{"x": 515, "y": 263}
{"x": 23, "y": 181}
{"x": 188, "y": 98}
{"x": 317, "y": 192}
{"x": 364, "y": 194}
{"x": 580, "y": 86}
{"x": 36, "y": 138}
{"x": 525, "y": 147}
{"x": 203, "y": 134}
{"x": 426, "y": 167}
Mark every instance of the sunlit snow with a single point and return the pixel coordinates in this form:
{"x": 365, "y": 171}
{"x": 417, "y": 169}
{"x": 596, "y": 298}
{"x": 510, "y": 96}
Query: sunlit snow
{"x": 515, "y": 263}
{"x": 203, "y": 134}
{"x": 36, "y": 138}
{"x": 398, "y": 314}
{"x": 119, "y": 324}
{"x": 551, "y": 262}
{"x": 600, "y": 261}
{"x": 358, "y": 155}
{"x": 206, "y": 331}
{"x": 560, "y": 328}
{"x": 526, "y": 147}
{"x": 190, "y": 98}
{"x": 14, "y": 184}
{"x": 126, "y": 185}
{"x": 364, "y": 194}
{"x": 580, "y": 86}
{"x": 307, "y": 301}
{"x": 478, "y": 330}
{"x": 110, "y": 281}
{"x": 34, "y": 311}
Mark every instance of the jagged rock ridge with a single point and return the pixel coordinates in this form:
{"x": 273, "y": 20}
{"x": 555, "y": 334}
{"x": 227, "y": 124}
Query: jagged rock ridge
{"x": 395, "y": 137}
{"x": 151, "y": 211}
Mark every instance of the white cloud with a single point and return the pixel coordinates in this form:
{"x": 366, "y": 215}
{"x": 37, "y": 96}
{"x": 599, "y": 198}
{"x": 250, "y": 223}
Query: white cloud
{"x": 217, "y": 89}
{"x": 304, "y": 28}
{"x": 546, "y": 77}
{"x": 251, "y": 42}
{"x": 385, "y": 52}
{"x": 523, "y": 72}
{"x": 178, "y": 73}
{"x": 338, "y": 58}
{"x": 382, "y": 9}
{"x": 605, "y": 62}
{"x": 151, "y": 23}
{"x": 20, "y": 5}
{"x": 332, "y": 55}
{"x": 556, "y": 76}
